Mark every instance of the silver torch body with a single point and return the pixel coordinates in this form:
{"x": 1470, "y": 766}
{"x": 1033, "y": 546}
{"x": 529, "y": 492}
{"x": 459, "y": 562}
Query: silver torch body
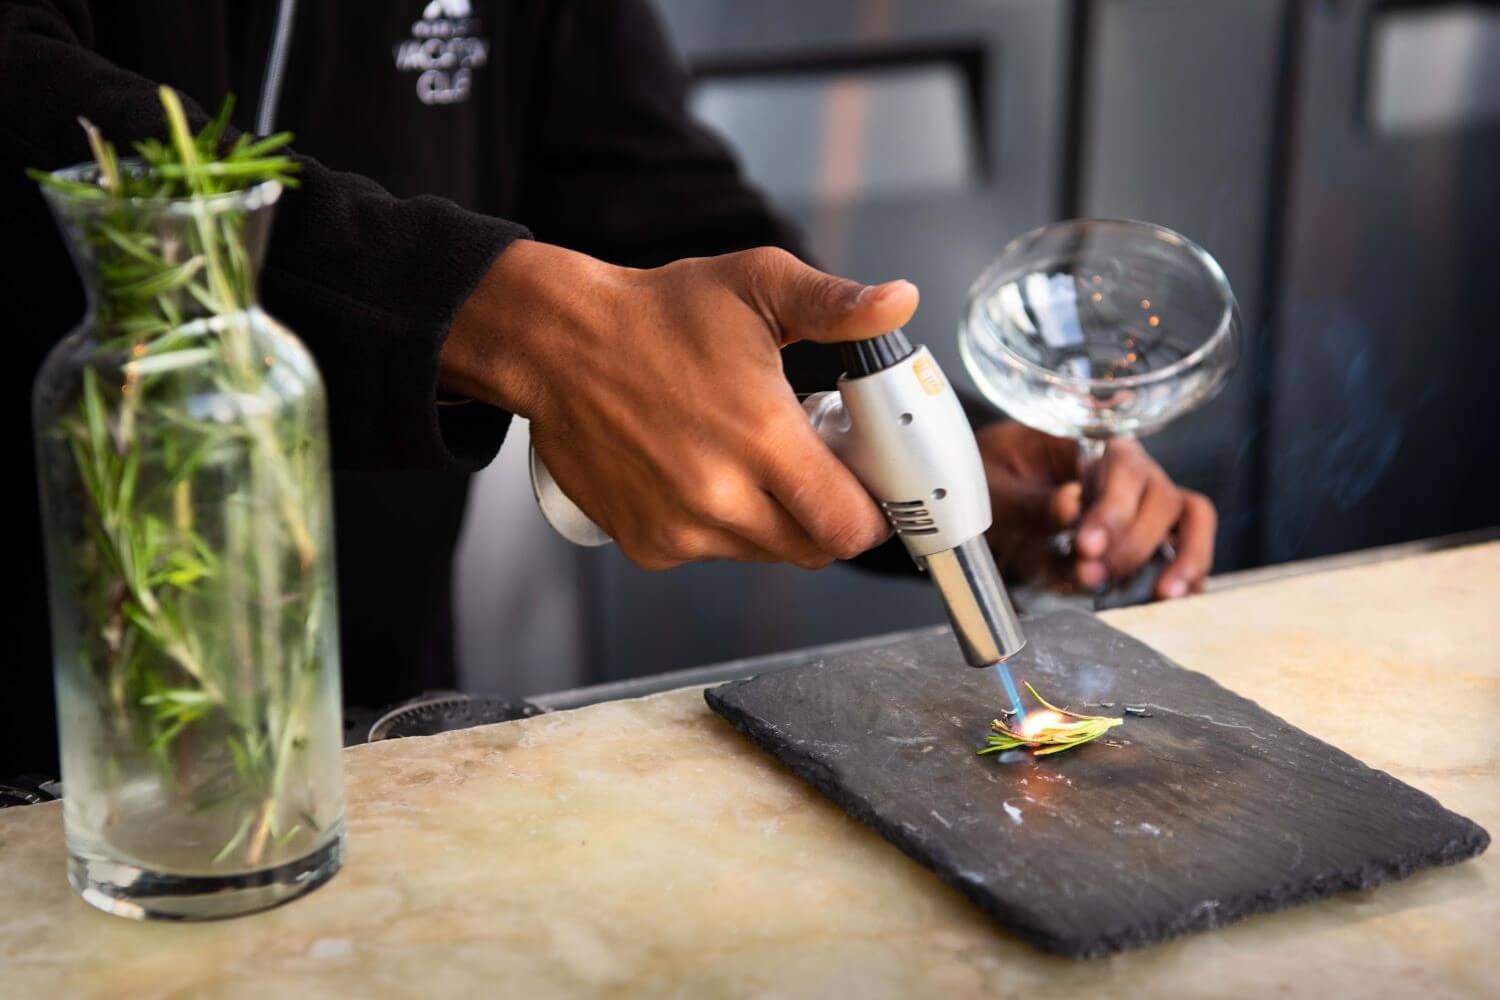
{"x": 896, "y": 422}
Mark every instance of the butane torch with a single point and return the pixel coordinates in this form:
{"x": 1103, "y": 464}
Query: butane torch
{"x": 898, "y": 425}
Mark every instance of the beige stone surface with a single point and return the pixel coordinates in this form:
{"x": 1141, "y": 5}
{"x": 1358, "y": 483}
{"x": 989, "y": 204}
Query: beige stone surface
{"x": 642, "y": 848}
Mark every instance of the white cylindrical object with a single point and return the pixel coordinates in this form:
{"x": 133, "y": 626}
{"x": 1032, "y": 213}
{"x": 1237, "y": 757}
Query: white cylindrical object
{"x": 565, "y": 516}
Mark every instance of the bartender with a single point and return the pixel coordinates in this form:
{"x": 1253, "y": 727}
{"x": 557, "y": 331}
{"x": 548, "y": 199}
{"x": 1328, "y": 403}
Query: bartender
{"x": 506, "y": 209}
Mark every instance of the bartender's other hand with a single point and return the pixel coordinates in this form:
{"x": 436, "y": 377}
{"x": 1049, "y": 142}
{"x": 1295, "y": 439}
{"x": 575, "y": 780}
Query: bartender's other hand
{"x": 1035, "y": 493}
{"x": 657, "y": 399}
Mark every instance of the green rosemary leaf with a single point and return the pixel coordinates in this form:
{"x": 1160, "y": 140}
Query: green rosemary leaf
{"x": 183, "y": 569}
{"x": 1058, "y": 747}
{"x": 241, "y": 756}
{"x": 135, "y": 555}
{"x": 185, "y": 469}
{"x": 164, "y": 738}
{"x": 207, "y": 300}
{"x": 106, "y": 547}
{"x": 169, "y": 310}
{"x": 239, "y": 835}
{"x": 208, "y": 137}
{"x": 104, "y": 156}
{"x": 204, "y": 551}
{"x": 93, "y": 409}
{"x": 180, "y": 696}
{"x": 78, "y": 189}
{"x": 129, "y": 473}
{"x": 170, "y": 339}
{"x": 85, "y": 463}
{"x": 183, "y": 579}
{"x": 162, "y": 281}
{"x": 152, "y": 152}
{"x": 170, "y": 361}
{"x": 260, "y": 147}
{"x": 239, "y": 261}
{"x": 137, "y": 245}
{"x": 126, "y": 272}
{"x": 1045, "y": 703}
{"x": 143, "y": 621}
{"x": 145, "y": 328}
{"x": 254, "y": 169}
{"x": 181, "y": 138}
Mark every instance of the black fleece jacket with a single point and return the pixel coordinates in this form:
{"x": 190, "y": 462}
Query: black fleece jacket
{"x": 431, "y": 134}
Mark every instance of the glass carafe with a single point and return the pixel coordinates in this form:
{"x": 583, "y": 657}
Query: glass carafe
{"x": 182, "y": 457}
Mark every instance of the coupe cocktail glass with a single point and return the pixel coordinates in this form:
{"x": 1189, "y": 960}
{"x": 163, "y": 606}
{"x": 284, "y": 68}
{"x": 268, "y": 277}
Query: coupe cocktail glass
{"x": 1096, "y": 329}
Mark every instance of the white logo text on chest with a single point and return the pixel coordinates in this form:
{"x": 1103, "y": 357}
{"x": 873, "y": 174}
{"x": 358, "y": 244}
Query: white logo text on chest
{"x": 444, "y": 50}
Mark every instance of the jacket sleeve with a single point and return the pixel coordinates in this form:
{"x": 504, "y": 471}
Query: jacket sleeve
{"x": 370, "y": 282}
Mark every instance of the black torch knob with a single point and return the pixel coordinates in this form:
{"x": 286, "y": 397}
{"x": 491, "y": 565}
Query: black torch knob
{"x": 866, "y": 357}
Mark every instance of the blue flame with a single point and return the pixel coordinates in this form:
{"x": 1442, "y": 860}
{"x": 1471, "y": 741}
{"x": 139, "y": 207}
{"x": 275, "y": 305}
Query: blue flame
{"x": 1003, "y": 672}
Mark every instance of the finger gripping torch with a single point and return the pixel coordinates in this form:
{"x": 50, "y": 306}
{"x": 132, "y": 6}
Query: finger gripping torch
{"x": 898, "y": 425}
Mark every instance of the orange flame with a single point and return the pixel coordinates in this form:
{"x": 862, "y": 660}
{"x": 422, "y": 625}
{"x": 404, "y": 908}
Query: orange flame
{"x": 1036, "y": 722}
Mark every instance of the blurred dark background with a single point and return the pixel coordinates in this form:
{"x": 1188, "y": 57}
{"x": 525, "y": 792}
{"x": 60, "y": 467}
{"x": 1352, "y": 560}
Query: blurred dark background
{"x": 1340, "y": 159}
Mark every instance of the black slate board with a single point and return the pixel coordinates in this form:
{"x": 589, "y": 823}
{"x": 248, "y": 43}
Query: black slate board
{"x": 1210, "y": 810}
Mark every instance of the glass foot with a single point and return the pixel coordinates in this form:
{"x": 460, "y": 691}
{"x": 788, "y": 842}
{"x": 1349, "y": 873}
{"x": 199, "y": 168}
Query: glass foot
{"x": 130, "y": 891}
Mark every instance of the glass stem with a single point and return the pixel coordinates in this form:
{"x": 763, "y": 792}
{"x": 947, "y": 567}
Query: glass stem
{"x": 1090, "y": 454}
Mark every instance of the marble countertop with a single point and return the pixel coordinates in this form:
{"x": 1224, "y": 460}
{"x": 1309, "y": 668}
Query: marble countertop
{"x": 643, "y": 848}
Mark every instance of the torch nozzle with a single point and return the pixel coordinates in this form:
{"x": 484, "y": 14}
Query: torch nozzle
{"x": 984, "y": 623}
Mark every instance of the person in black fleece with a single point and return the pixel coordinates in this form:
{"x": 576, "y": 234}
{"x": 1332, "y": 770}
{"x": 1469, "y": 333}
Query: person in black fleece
{"x": 508, "y": 204}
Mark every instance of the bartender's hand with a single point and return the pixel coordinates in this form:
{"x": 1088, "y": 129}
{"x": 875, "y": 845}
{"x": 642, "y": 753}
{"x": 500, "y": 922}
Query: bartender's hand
{"x": 656, "y": 397}
{"x": 1035, "y": 493}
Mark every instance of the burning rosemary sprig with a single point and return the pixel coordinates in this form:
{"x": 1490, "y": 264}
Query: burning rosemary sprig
{"x": 1050, "y": 731}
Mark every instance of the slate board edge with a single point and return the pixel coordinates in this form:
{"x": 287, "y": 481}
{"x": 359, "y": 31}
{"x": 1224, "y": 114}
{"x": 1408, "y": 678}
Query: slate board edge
{"x": 1470, "y": 840}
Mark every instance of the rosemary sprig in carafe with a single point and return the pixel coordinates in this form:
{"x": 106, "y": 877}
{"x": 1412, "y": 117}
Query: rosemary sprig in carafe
{"x": 173, "y": 305}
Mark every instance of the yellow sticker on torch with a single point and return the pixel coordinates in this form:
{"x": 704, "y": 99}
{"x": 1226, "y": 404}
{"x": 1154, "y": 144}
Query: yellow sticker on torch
{"x": 929, "y": 375}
